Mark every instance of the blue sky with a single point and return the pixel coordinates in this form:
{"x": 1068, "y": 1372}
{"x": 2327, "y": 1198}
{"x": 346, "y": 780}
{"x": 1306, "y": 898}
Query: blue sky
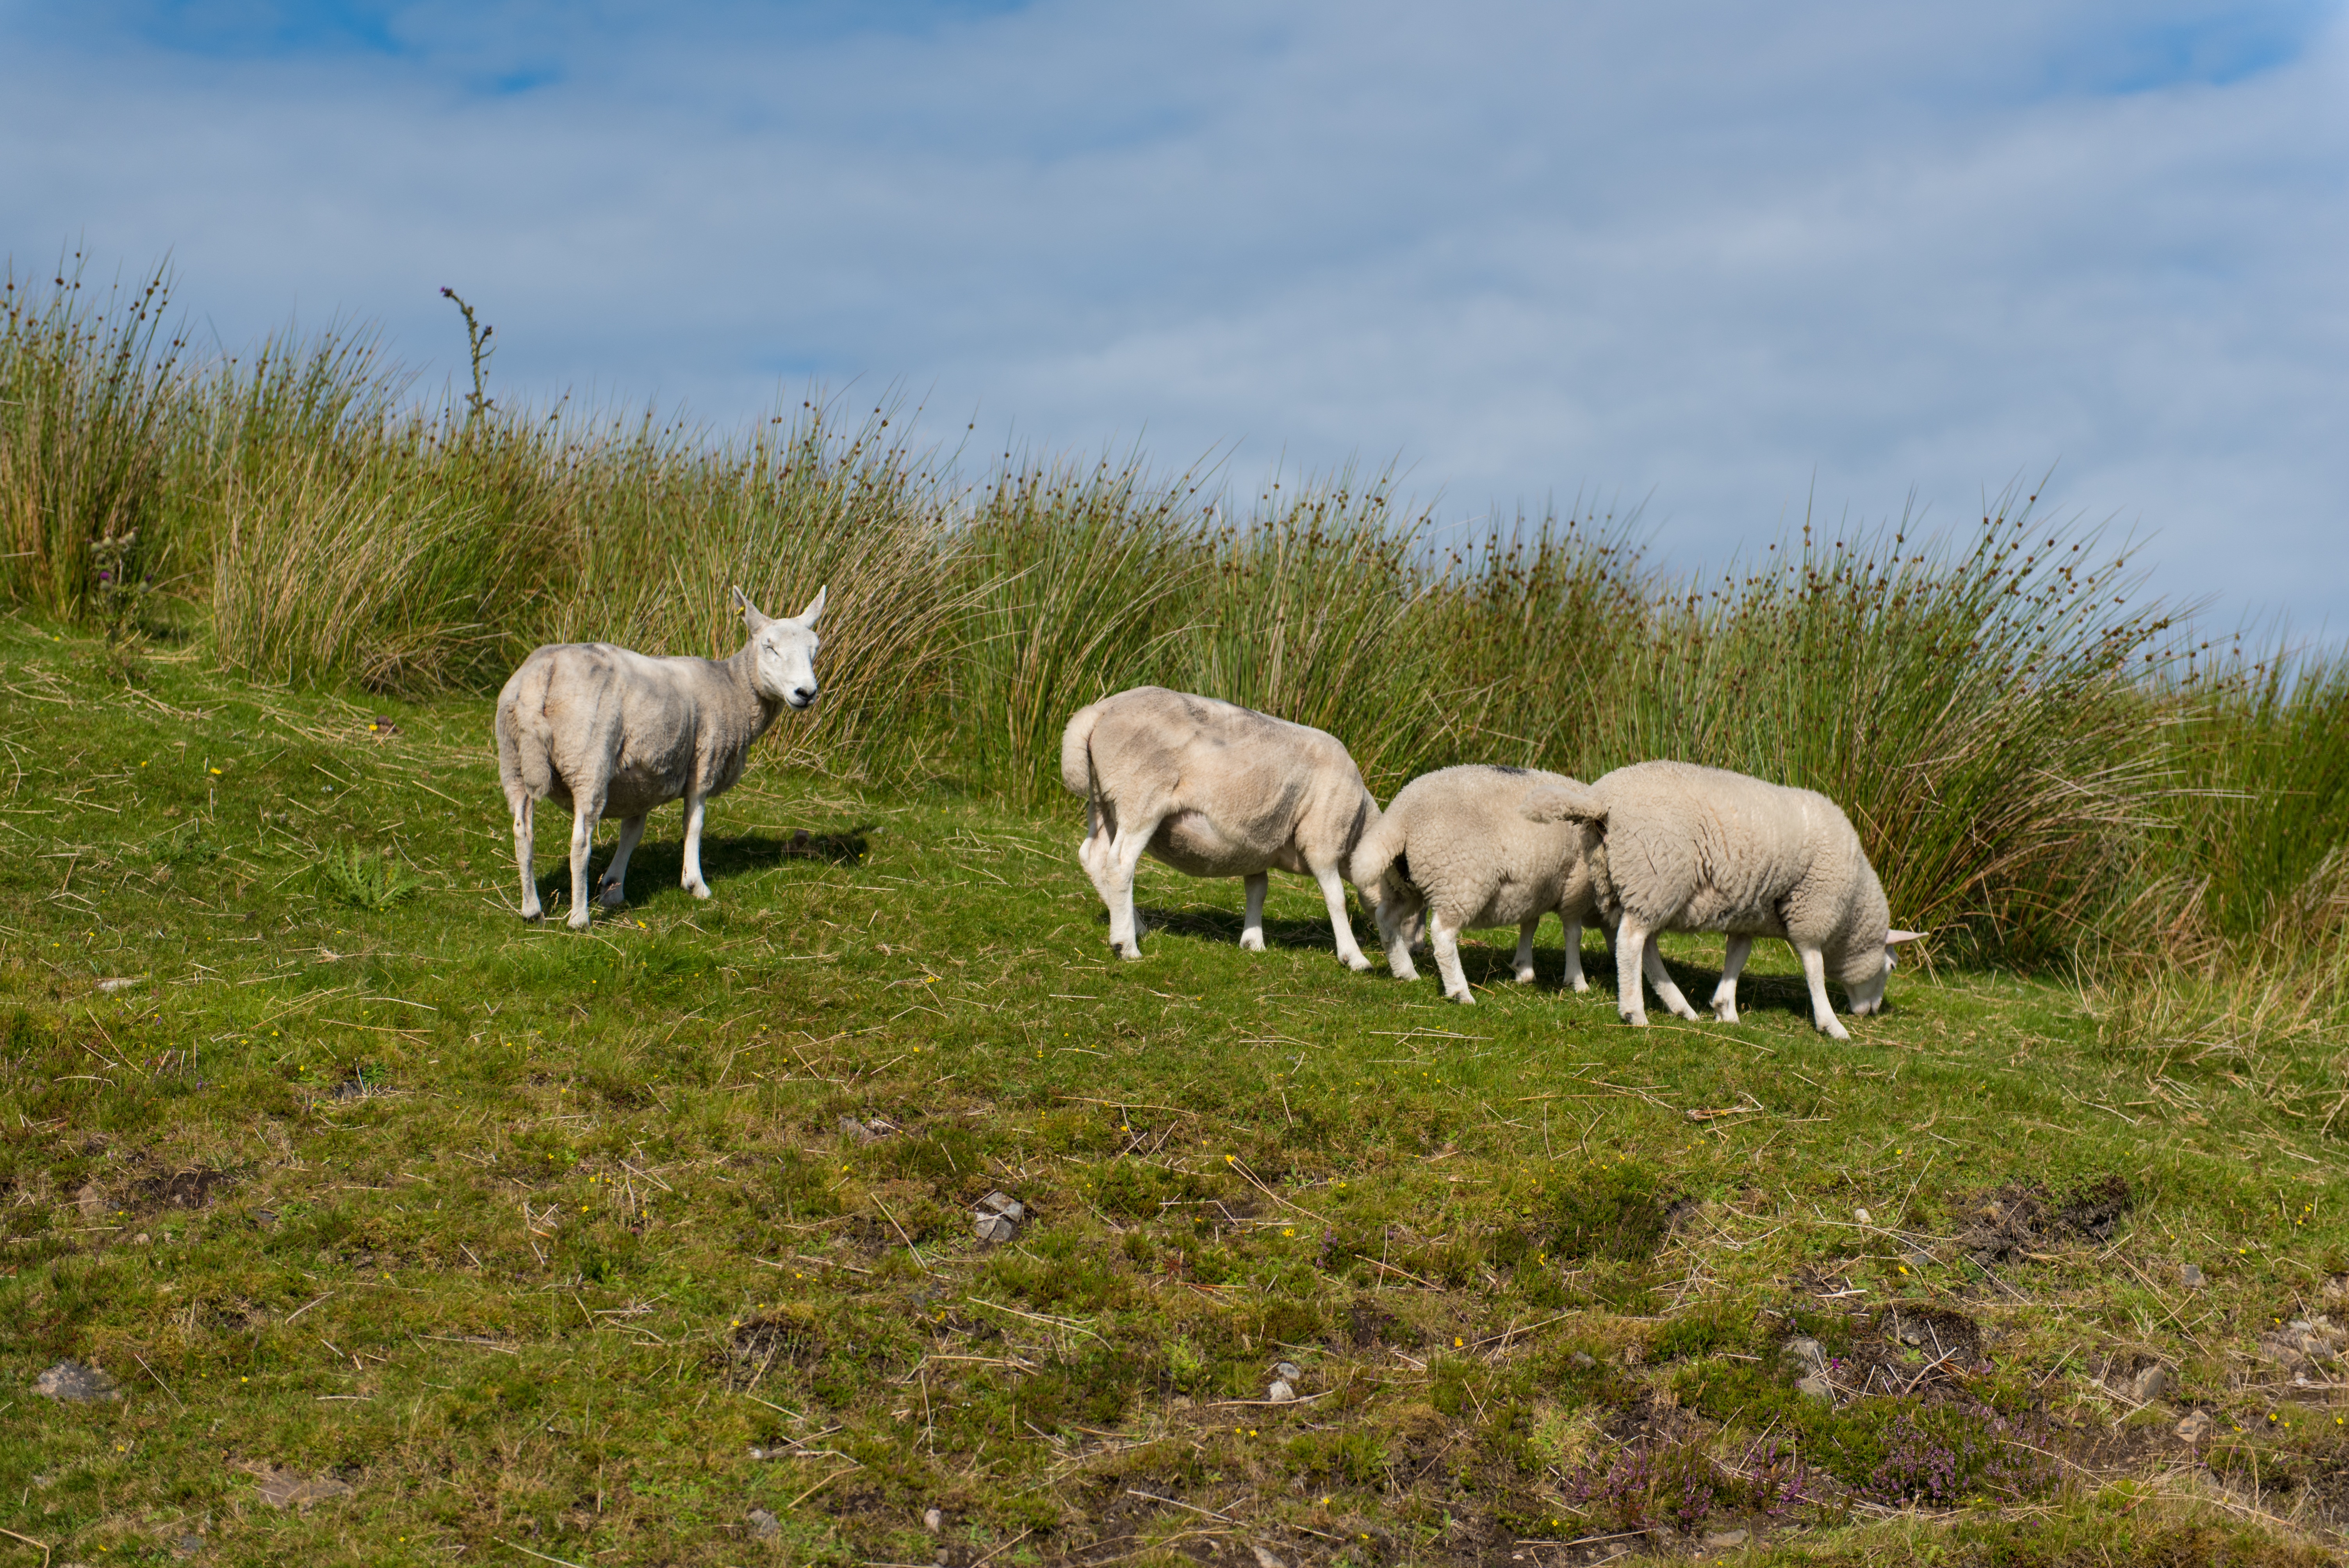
{"x": 1718, "y": 260}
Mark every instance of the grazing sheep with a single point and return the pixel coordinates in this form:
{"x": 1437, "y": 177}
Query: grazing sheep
{"x": 606, "y": 731}
{"x": 1455, "y": 851}
{"x": 1213, "y": 790}
{"x": 1683, "y": 847}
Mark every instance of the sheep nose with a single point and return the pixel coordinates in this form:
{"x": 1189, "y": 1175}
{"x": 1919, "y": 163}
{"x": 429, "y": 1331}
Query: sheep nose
{"x": 802, "y": 696}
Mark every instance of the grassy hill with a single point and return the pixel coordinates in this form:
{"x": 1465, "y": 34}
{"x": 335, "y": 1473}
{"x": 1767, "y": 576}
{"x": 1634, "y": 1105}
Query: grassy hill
{"x": 407, "y": 1233}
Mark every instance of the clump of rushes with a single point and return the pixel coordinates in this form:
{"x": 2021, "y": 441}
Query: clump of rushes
{"x": 2045, "y": 770}
{"x": 363, "y": 881}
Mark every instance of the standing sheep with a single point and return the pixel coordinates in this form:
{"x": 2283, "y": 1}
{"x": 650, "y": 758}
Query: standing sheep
{"x": 1455, "y": 851}
{"x": 606, "y": 731}
{"x": 1684, "y": 847}
{"x": 1213, "y": 790}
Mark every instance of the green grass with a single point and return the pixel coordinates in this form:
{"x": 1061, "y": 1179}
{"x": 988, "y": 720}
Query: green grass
{"x": 534, "y": 1238}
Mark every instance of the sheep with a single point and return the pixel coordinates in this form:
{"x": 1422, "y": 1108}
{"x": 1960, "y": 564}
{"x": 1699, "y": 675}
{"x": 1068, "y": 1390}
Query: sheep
{"x": 1455, "y": 852}
{"x": 1213, "y": 790}
{"x": 604, "y": 730}
{"x": 1684, "y": 847}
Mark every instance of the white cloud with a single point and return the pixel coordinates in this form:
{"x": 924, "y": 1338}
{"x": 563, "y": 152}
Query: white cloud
{"x": 1721, "y": 256}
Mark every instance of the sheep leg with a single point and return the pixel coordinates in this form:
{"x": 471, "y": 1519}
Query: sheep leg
{"x": 695, "y": 804}
{"x": 1524, "y": 968}
{"x": 1630, "y": 942}
{"x": 1652, "y": 961}
{"x": 1097, "y": 854}
{"x": 1815, "y": 974}
{"x": 616, "y": 875}
{"x": 1733, "y": 963}
{"x": 1119, "y": 859}
{"x": 1574, "y": 976}
{"x": 584, "y": 814}
{"x": 1252, "y": 927}
{"x": 1396, "y": 914}
{"x": 524, "y": 811}
{"x": 1446, "y": 940}
{"x": 1342, "y": 922}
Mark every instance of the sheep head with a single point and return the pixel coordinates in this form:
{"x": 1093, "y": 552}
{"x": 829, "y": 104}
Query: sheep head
{"x": 1867, "y": 992}
{"x": 783, "y": 651}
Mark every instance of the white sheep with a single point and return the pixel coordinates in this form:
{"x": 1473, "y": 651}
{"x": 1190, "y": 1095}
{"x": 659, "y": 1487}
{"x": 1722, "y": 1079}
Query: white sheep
{"x": 608, "y": 731}
{"x": 1684, "y": 847}
{"x": 1213, "y": 790}
{"x": 1455, "y": 852}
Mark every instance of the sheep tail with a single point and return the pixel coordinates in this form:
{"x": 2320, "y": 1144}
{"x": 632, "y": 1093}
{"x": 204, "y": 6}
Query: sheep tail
{"x": 1565, "y": 802}
{"x": 1382, "y": 845}
{"x": 1077, "y": 751}
{"x": 524, "y": 767}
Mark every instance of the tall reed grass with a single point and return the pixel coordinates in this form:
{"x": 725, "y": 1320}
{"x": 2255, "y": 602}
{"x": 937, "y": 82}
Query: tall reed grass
{"x": 2040, "y": 766}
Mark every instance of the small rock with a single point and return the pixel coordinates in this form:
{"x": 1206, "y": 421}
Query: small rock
{"x": 2191, "y": 1275}
{"x": 1264, "y": 1559}
{"x": 1722, "y": 1540}
{"x": 284, "y": 1488}
{"x": 1280, "y": 1392}
{"x": 765, "y": 1525}
{"x": 1917, "y": 1259}
{"x": 855, "y": 1130}
{"x": 119, "y": 983}
{"x": 998, "y": 1218}
{"x": 1863, "y": 1216}
{"x": 933, "y": 1521}
{"x": 2196, "y": 1426}
{"x": 91, "y": 1202}
{"x": 187, "y": 1546}
{"x": 1581, "y": 1358}
{"x": 1807, "y": 1354}
{"x": 1816, "y": 1387}
{"x": 2150, "y": 1384}
{"x": 1287, "y": 1369}
{"x": 77, "y": 1383}
{"x": 2336, "y": 1288}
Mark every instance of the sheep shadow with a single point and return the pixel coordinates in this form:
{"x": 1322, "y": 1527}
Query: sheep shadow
{"x": 1224, "y": 925}
{"x": 659, "y": 864}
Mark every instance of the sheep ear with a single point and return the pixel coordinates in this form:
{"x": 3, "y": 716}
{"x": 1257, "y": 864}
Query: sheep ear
{"x": 750, "y": 616}
{"x": 814, "y": 608}
{"x": 1894, "y": 938}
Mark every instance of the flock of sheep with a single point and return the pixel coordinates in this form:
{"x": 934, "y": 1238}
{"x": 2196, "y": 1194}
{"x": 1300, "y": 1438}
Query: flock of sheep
{"x": 1219, "y": 791}
{"x": 1215, "y": 789}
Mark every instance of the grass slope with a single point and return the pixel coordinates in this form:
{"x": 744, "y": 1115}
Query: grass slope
{"x": 414, "y": 1234}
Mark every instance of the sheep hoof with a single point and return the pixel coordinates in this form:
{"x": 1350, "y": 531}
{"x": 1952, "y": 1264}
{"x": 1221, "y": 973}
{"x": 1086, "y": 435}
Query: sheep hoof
{"x": 1129, "y": 952}
{"x": 1463, "y": 997}
{"x": 1834, "y": 1030}
{"x": 578, "y": 921}
{"x": 1355, "y": 962}
{"x": 1581, "y": 985}
{"x": 1251, "y": 940}
{"x": 1724, "y": 1013}
{"x": 534, "y": 916}
{"x": 1637, "y": 1020}
{"x": 611, "y": 897}
{"x": 700, "y": 890}
{"x": 1523, "y": 978}
{"x": 1404, "y": 969}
